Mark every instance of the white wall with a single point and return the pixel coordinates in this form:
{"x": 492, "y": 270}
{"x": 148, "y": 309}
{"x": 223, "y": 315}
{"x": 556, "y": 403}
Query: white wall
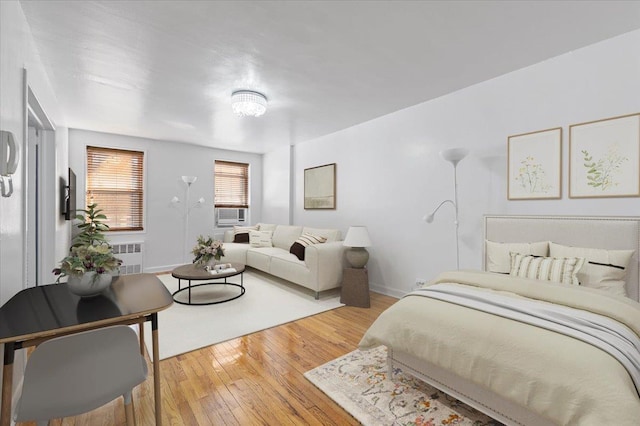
{"x": 17, "y": 52}
{"x": 165, "y": 163}
{"x": 389, "y": 173}
{"x": 275, "y": 186}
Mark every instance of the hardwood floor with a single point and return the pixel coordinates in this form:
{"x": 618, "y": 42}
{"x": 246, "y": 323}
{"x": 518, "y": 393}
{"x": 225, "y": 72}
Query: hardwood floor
{"x": 252, "y": 380}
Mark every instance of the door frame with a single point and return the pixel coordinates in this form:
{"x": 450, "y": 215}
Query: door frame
{"x": 39, "y": 200}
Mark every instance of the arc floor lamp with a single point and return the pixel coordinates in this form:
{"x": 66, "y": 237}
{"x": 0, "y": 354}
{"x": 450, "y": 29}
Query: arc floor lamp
{"x": 454, "y": 156}
{"x": 188, "y": 180}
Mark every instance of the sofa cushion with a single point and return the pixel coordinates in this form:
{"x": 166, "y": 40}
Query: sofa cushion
{"x": 241, "y": 233}
{"x": 306, "y": 239}
{"x": 260, "y": 258}
{"x": 235, "y": 252}
{"x": 330, "y": 234}
{"x": 287, "y": 266}
{"x": 285, "y": 235}
{"x": 260, "y": 238}
{"x": 266, "y": 227}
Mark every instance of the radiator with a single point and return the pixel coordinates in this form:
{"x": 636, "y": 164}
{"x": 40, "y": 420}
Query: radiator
{"x": 132, "y": 255}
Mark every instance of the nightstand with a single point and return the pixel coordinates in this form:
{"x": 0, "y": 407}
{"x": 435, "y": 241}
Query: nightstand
{"x": 355, "y": 287}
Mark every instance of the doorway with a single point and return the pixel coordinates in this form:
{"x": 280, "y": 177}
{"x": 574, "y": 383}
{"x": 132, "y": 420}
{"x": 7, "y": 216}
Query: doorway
{"x": 40, "y": 141}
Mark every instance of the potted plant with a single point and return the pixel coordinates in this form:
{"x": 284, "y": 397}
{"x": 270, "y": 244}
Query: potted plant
{"x": 206, "y": 250}
{"x": 90, "y": 264}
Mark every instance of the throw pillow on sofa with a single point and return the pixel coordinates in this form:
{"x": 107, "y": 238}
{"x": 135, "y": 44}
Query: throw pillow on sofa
{"x": 260, "y": 238}
{"x": 305, "y": 240}
{"x": 241, "y": 233}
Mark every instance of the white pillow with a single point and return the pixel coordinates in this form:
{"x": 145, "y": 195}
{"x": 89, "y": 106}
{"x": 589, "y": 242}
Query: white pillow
{"x": 560, "y": 270}
{"x": 611, "y": 287}
{"x": 499, "y": 260}
{"x": 260, "y": 238}
{"x": 601, "y": 265}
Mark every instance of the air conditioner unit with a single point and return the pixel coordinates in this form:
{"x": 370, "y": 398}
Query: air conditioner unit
{"x": 230, "y": 216}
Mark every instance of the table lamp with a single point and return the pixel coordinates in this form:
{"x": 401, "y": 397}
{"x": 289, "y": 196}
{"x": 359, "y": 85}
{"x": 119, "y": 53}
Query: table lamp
{"x": 357, "y": 239}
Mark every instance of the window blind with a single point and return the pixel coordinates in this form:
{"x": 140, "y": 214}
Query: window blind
{"x": 231, "y": 184}
{"x": 115, "y": 183}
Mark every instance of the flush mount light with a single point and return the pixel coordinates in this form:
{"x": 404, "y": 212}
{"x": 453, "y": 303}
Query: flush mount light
{"x": 248, "y": 103}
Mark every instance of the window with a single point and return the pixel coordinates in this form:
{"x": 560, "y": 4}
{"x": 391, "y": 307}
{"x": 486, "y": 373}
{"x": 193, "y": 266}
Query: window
{"x": 115, "y": 183}
{"x": 231, "y": 184}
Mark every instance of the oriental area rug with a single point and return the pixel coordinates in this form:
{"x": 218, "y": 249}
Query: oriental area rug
{"x": 359, "y": 383}
{"x": 267, "y": 302}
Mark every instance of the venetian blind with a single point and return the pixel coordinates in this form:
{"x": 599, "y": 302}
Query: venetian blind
{"x": 231, "y": 184}
{"x": 115, "y": 183}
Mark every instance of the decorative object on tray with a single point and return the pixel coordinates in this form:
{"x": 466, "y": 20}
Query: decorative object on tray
{"x": 320, "y": 187}
{"x": 534, "y": 166}
{"x": 207, "y": 250}
{"x": 357, "y": 238}
{"x": 220, "y": 268}
{"x": 360, "y": 383}
{"x": 454, "y": 156}
{"x": 90, "y": 264}
{"x": 604, "y": 158}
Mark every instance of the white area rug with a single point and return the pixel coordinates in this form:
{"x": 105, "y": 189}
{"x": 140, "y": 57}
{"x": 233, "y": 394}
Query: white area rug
{"x": 268, "y": 302}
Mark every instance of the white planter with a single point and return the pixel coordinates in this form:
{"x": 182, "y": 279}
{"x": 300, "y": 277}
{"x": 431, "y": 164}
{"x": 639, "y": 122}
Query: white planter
{"x": 90, "y": 284}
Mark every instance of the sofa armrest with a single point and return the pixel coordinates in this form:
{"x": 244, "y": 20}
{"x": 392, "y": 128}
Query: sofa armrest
{"x": 325, "y": 262}
{"x": 228, "y": 236}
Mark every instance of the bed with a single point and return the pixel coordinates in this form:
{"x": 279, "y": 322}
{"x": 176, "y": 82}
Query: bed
{"x": 513, "y": 369}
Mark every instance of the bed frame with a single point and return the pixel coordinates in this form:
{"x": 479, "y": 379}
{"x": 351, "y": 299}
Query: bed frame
{"x": 579, "y": 231}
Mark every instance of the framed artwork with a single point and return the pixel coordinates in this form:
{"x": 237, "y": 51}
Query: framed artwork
{"x": 534, "y": 165}
{"x": 320, "y": 187}
{"x": 604, "y": 158}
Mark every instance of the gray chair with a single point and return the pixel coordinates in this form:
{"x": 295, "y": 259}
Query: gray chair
{"x": 73, "y": 374}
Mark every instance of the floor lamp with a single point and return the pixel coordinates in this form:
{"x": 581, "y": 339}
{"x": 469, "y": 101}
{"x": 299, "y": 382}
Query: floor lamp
{"x": 189, "y": 180}
{"x": 454, "y": 156}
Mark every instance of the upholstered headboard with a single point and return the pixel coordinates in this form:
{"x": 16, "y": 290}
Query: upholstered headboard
{"x": 612, "y": 233}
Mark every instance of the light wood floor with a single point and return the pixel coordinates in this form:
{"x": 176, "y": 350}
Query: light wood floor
{"x": 252, "y": 380}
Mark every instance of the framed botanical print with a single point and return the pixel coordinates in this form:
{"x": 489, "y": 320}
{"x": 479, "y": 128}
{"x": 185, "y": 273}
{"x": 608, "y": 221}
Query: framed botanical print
{"x": 534, "y": 165}
{"x": 320, "y": 187}
{"x": 604, "y": 158}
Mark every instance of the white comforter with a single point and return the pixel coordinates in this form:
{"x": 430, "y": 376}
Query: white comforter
{"x": 565, "y": 379}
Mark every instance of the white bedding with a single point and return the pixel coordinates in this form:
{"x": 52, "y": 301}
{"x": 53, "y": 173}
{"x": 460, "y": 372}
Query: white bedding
{"x": 562, "y": 378}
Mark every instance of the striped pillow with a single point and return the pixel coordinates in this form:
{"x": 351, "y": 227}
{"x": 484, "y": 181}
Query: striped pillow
{"x": 555, "y": 269}
{"x": 241, "y": 233}
{"x": 305, "y": 240}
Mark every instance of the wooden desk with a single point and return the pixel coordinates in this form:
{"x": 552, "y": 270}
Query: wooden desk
{"x": 40, "y": 313}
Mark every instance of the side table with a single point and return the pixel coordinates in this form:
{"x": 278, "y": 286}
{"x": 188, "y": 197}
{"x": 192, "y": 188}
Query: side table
{"x": 355, "y": 287}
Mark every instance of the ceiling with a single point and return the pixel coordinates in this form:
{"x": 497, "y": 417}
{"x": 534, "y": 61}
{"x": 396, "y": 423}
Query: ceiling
{"x": 166, "y": 70}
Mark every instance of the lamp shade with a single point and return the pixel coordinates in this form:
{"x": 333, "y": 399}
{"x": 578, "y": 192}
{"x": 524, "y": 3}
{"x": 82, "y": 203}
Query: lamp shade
{"x": 454, "y": 155}
{"x": 357, "y": 236}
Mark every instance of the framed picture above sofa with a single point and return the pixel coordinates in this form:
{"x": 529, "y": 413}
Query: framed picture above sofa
{"x": 320, "y": 187}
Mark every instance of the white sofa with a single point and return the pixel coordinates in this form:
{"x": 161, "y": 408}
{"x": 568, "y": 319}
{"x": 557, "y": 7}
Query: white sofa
{"x": 320, "y": 270}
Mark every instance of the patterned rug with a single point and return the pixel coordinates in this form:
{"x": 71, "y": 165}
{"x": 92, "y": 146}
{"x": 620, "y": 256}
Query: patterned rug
{"x": 358, "y": 382}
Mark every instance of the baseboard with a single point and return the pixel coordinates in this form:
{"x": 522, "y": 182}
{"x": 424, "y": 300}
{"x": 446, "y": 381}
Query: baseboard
{"x": 160, "y": 269}
{"x": 393, "y": 292}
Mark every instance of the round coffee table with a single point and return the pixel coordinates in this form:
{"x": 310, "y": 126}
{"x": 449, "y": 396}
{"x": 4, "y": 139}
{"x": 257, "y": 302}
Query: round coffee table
{"x": 198, "y": 273}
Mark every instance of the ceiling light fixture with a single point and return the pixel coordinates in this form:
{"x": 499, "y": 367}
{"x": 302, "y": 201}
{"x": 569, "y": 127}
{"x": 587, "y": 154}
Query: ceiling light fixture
{"x": 247, "y": 103}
